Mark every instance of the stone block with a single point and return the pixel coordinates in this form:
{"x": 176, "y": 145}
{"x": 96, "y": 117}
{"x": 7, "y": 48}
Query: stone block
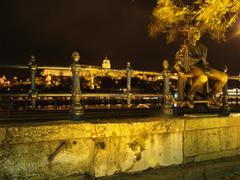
{"x": 205, "y": 141}
{"x": 103, "y": 149}
{"x": 211, "y": 123}
{"x": 137, "y": 153}
{"x": 31, "y": 160}
{"x": 56, "y": 132}
{"x": 2, "y": 134}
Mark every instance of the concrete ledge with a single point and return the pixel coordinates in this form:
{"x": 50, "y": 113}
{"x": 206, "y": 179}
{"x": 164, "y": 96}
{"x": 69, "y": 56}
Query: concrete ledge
{"x": 101, "y": 149}
{"x": 212, "y": 123}
{"x": 211, "y": 140}
{"x": 25, "y": 134}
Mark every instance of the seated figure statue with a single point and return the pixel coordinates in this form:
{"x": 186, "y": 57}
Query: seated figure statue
{"x": 190, "y": 62}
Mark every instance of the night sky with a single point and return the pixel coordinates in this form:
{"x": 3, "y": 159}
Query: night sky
{"x": 52, "y": 29}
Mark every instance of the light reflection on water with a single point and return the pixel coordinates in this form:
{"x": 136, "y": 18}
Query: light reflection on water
{"x": 87, "y": 107}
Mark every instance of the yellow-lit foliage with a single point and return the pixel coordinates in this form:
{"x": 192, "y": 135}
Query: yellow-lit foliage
{"x": 214, "y": 17}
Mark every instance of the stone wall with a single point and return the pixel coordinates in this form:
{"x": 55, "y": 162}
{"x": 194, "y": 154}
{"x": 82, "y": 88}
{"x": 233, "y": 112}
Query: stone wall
{"x": 100, "y": 149}
{"x": 211, "y": 138}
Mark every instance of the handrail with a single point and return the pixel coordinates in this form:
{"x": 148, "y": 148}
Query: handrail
{"x": 53, "y": 68}
{"x": 82, "y": 95}
{"x": 14, "y": 66}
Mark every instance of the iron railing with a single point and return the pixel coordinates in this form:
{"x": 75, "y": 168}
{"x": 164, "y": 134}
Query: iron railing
{"x": 77, "y": 110}
{"x": 76, "y": 95}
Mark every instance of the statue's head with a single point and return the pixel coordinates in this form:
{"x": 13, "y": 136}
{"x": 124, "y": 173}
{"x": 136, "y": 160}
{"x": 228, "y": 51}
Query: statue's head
{"x": 75, "y": 56}
{"x": 128, "y": 64}
{"x": 165, "y": 64}
{"x": 32, "y": 58}
{"x": 194, "y": 34}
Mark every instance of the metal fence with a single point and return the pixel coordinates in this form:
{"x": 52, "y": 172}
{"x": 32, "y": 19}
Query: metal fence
{"x": 76, "y": 96}
{"x": 165, "y": 99}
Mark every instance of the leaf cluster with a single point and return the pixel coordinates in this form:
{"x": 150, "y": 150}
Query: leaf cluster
{"x": 174, "y": 17}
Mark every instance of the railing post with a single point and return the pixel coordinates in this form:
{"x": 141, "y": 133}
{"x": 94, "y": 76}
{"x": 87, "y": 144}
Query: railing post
{"x": 33, "y": 91}
{"x": 167, "y": 105}
{"x": 129, "y": 79}
{"x": 76, "y": 111}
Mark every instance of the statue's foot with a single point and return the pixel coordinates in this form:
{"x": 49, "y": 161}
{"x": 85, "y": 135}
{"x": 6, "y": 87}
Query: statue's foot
{"x": 215, "y": 102}
{"x": 190, "y": 104}
{"x": 219, "y": 104}
{"x": 181, "y": 104}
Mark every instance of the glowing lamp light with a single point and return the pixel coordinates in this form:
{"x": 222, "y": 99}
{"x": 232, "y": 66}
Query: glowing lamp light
{"x": 237, "y": 33}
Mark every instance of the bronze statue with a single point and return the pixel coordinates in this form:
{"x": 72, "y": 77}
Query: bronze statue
{"x": 191, "y": 65}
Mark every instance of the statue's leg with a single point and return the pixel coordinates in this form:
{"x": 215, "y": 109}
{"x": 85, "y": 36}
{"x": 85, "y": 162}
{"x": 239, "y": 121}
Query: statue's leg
{"x": 199, "y": 79}
{"x": 220, "y": 79}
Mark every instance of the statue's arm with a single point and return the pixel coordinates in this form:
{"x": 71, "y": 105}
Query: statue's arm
{"x": 205, "y": 51}
{"x": 178, "y": 63}
{"x": 179, "y": 60}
